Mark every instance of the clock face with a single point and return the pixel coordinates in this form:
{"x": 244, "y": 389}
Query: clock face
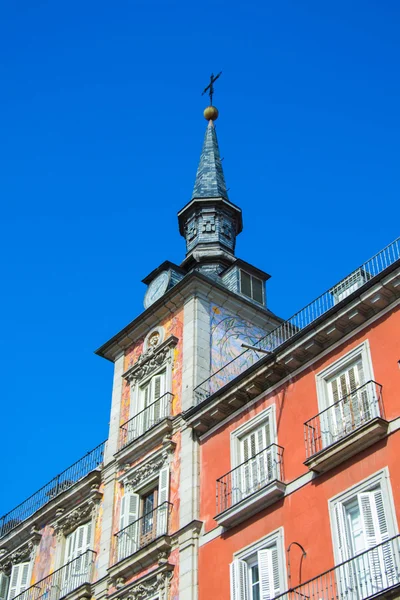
{"x": 157, "y": 288}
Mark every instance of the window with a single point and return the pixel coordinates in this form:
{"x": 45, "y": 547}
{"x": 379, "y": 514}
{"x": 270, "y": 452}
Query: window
{"x": 252, "y": 287}
{"x": 258, "y": 571}
{"x": 151, "y": 406}
{"x": 143, "y": 517}
{"x": 347, "y": 395}
{"x": 254, "y": 455}
{"x": 362, "y": 521}
{"x": 19, "y": 579}
{"x": 77, "y": 558}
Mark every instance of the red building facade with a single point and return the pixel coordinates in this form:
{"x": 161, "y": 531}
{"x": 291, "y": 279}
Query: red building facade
{"x": 299, "y": 476}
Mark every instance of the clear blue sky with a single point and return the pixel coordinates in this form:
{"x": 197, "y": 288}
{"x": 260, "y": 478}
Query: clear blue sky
{"x": 101, "y": 129}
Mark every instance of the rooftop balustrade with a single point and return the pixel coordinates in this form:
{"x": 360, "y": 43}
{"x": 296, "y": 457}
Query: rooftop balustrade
{"x": 52, "y": 489}
{"x": 299, "y": 321}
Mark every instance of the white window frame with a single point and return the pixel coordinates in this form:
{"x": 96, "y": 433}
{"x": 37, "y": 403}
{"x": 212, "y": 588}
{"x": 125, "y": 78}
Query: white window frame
{"x": 246, "y": 428}
{"x": 135, "y": 403}
{"x": 379, "y": 479}
{"x": 361, "y": 352}
{"x": 28, "y": 577}
{"x": 249, "y": 553}
{"x": 251, "y": 286}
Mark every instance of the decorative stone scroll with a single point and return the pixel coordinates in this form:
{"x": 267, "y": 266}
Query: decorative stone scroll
{"x": 67, "y": 522}
{"x": 151, "y": 467}
{"x": 154, "y": 358}
{"x": 22, "y": 554}
{"x": 148, "y": 589}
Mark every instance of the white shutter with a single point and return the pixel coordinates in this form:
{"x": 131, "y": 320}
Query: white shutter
{"x": 128, "y": 541}
{"x": 345, "y": 580}
{"x": 375, "y": 527}
{"x": 342, "y": 535}
{"x": 163, "y": 497}
{"x": 19, "y": 579}
{"x": 239, "y": 580}
{"x": 4, "y": 581}
{"x": 266, "y": 574}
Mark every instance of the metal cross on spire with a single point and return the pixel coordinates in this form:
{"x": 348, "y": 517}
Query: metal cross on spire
{"x": 210, "y": 87}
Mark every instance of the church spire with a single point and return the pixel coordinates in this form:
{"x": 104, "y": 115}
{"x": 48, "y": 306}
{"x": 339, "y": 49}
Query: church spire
{"x": 210, "y": 180}
{"x": 210, "y": 222}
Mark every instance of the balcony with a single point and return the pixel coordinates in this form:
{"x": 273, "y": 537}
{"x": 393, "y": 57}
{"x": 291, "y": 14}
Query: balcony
{"x": 72, "y": 578}
{"x": 250, "y": 487}
{"x": 350, "y": 425}
{"x": 54, "y": 488}
{"x": 373, "y": 573}
{"x": 139, "y": 544}
{"x": 149, "y": 425}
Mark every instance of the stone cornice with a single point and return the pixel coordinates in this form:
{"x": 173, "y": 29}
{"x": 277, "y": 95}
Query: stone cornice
{"x": 151, "y": 360}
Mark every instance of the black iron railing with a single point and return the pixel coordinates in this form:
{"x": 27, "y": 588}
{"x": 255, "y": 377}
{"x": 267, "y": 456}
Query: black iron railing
{"x": 141, "y": 532}
{"x": 369, "y": 574}
{"x": 145, "y": 420}
{"x": 53, "y": 488}
{"x": 63, "y": 581}
{"x": 299, "y": 321}
{"x": 249, "y": 477}
{"x": 343, "y": 417}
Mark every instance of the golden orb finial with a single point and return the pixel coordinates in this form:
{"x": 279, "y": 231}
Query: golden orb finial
{"x": 211, "y": 113}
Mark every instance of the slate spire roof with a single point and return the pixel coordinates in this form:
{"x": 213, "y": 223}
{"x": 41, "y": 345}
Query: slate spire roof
{"x": 210, "y": 180}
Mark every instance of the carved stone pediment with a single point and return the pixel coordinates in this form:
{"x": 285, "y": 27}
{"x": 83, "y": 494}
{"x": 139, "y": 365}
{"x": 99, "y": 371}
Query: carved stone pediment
{"x": 152, "y": 586}
{"x": 154, "y": 358}
{"x": 150, "y": 468}
{"x": 67, "y": 522}
{"x": 22, "y": 554}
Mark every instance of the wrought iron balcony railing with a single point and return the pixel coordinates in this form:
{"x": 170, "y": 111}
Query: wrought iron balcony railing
{"x": 63, "y": 581}
{"x": 372, "y": 573}
{"x": 284, "y": 332}
{"x": 343, "y": 417}
{"x": 53, "y": 488}
{"x": 145, "y": 420}
{"x": 249, "y": 477}
{"x": 141, "y": 532}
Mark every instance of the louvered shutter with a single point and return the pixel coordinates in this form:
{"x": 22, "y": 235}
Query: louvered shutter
{"x": 239, "y": 580}
{"x": 345, "y": 576}
{"x": 157, "y": 383}
{"x": 163, "y": 497}
{"x": 4, "y": 583}
{"x": 257, "y": 466}
{"x": 19, "y": 579}
{"x": 265, "y": 571}
{"x": 381, "y": 565}
{"x": 128, "y": 541}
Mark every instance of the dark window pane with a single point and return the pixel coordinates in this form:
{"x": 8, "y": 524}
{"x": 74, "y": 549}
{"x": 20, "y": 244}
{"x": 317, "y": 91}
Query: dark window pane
{"x": 245, "y": 284}
{"x": 257, "y": 290}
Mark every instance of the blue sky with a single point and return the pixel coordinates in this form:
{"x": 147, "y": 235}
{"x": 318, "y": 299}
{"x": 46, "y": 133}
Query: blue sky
{"x": 101, "y": 131}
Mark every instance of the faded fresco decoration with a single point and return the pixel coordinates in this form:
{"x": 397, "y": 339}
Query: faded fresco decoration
{"x": 228, "y": 358}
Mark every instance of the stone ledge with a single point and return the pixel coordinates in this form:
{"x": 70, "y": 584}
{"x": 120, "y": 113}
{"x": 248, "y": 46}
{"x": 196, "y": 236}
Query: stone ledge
{"x": 156, "y": 551}
{"x": 348, "y": 446}
{"x": 144, "y": 443}
{"x": 252, "y": 504}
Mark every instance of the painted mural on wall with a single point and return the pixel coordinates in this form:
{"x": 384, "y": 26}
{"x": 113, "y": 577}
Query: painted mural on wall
{"x": 228, "y": 357}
